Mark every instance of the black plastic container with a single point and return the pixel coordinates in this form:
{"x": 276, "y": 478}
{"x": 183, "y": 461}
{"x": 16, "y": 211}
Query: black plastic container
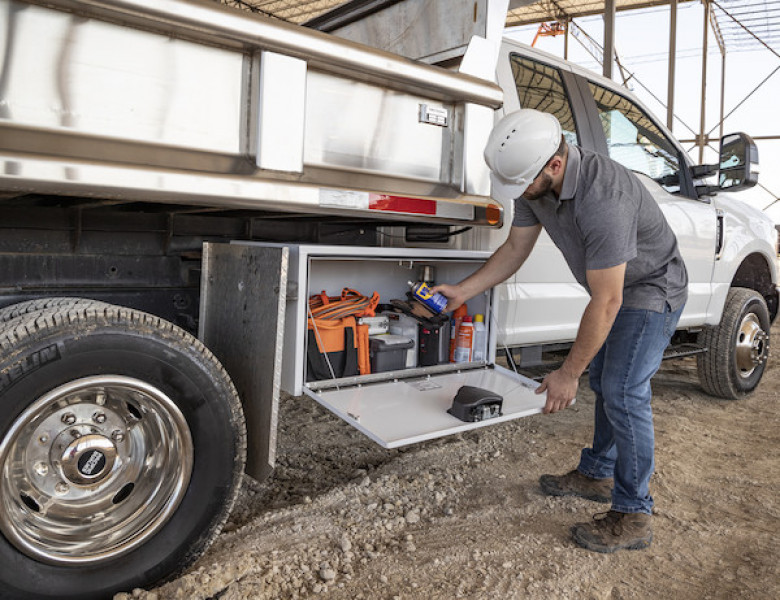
{"x": 388, "y": 352}
{"x": 434, "y": 343}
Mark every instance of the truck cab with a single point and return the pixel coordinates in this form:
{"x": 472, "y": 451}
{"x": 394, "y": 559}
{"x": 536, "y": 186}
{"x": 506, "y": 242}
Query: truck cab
{"x": 541, "y": 304}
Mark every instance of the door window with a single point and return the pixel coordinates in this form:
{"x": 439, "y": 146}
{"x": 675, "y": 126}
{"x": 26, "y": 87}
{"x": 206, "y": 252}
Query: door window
{"x": 540, "y": 87}
{"x": 634, "y": 140}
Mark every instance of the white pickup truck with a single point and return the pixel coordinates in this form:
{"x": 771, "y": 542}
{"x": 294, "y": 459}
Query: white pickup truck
{"x": 728, "y": 247}
{"x": 177, "y": 178}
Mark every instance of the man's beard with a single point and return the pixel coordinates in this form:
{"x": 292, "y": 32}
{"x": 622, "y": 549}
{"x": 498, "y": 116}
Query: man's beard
{"x": 546, "y": 186}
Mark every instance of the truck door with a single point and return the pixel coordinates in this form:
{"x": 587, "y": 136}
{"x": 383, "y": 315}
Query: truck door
{"x": 637, "y": 141}
{"x": 542, "y": 303}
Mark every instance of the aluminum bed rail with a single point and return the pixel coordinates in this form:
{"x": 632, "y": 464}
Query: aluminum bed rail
{"x": 194, "y": 103}
{"x": 210, "y": 22}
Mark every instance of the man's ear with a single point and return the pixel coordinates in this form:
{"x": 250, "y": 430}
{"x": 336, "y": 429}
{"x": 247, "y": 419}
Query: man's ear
{"x": 556, "y": 165}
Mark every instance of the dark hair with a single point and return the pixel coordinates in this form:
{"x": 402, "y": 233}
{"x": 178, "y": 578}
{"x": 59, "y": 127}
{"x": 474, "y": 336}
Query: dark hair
{"x": 562, "y": 150}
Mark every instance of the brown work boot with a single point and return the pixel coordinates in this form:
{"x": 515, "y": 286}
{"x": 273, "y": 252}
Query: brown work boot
{"x": 575, "y": 483}
{"x": 613, "y": 531}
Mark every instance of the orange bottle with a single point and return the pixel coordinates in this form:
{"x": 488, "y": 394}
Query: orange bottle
{"x": 457, "y": 318}
{"x": 465, "y": 341}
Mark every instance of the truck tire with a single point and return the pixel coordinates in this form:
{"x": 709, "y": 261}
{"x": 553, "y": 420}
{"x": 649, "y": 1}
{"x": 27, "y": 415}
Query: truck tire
{"x": 737, "y": 348}
{"x": 122, "y": 447}
{"x": 12, "y": 311}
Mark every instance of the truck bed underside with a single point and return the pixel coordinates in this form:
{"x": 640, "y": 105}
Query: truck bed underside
{"x": 141, "y": 255}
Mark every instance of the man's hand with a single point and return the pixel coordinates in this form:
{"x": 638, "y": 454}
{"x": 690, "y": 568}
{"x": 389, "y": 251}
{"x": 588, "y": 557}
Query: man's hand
{"x": 561, "y": 388}
{"x": 606, "y": 286}
{"x": 454, "y": 294}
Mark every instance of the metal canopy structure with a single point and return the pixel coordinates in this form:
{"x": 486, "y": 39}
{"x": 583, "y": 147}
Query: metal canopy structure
{"x": 561, "y": 10}
{"x": 526, "y": 12}
{"x": 747, "y": 24}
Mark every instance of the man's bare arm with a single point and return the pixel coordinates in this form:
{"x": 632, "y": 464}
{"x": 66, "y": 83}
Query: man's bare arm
{"x": 606, "y": 287}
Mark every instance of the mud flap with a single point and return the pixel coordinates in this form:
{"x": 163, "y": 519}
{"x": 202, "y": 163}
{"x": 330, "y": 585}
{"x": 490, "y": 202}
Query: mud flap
{"x": 242, "y": 311}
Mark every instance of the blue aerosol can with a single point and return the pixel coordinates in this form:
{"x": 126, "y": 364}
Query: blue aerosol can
{"x": 421, "y": 291}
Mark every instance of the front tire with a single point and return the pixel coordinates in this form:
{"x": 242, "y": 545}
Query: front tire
{"x": 737, "y": 348}
{"x": 122, "y": 445}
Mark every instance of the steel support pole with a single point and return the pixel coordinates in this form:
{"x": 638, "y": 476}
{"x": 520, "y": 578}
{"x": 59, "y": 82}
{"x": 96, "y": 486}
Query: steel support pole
{"x": 609, "y": 37}
{"x": 702, "y": 142}
{"x": 722, "y": 88}
{"x": 672, "y": 64}
{"x": 566, "y": 39}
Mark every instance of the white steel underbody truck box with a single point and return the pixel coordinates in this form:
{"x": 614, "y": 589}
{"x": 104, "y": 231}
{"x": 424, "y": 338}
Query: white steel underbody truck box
{"x": 177, "y": 178}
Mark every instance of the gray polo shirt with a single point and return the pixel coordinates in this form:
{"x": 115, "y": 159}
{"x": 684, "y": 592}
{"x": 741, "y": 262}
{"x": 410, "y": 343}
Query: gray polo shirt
{"x": 605, "y": 217}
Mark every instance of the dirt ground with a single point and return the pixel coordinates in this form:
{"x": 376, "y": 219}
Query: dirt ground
{"x": 463, "y": 517}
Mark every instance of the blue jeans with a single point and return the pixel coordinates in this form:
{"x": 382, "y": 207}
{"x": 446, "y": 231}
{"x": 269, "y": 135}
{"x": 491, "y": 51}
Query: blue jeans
{"x": 623, "y": 437}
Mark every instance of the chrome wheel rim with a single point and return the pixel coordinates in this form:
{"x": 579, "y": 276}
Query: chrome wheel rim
{"x": 752, "y": 346}
{"x": 93, "y": 469}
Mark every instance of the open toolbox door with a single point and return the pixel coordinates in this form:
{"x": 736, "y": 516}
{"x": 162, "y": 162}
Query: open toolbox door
{"x": 404, "y": 411}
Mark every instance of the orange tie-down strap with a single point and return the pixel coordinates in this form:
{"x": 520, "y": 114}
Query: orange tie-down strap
{"x": 350, "y": 303}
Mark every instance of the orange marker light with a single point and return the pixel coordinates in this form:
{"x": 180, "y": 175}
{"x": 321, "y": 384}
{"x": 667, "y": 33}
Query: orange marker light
{"x": 493, "y": 214}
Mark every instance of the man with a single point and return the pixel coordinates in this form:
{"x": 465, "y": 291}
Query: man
{"x": 619, "y": 246}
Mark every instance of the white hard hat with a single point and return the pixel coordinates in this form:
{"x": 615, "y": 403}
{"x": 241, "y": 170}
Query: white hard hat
{"x": 519, "y": 146}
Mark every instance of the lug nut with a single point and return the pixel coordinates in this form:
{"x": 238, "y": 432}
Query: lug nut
{"x": 43, "y": 439}
{"x": 99, "y": 417}
{"x": 42, "y": 468}
{"x": 69, "y": 418}
{"x": 61, "y": 488}
{"x": 75, "y": 433}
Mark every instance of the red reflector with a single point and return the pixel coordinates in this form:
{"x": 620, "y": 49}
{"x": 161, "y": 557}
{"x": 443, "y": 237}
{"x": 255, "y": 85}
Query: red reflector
{"x": 417, "y": 206}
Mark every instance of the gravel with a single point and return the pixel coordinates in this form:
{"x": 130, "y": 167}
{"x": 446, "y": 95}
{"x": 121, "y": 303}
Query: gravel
{"x": 462, "y": 517}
